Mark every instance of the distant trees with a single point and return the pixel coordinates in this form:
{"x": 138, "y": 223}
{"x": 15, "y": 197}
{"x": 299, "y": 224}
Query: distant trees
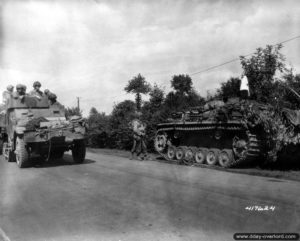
{"x": 138, "y": 86}
{"x": 182, "y": 84}
{"x": 72, "y": 111}
{"x": 98, "y": 126}
{"x": 230, "y": 88}
{"x": 183, "y": 94}
{"x": 121, "y": 116}
{"x": 287, "y": 88}
{"x": 260, "y": 69}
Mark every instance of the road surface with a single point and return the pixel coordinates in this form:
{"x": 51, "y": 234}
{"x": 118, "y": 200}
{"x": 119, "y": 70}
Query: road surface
{"x": 113, "y": 198}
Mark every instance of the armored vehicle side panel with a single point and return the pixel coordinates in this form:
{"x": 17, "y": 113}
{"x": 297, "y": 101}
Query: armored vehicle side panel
{"x": 235, "y": 133}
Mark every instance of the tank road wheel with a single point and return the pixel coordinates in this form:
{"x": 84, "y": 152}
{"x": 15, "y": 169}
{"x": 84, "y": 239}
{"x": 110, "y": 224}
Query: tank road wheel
{"x": 22, "y": 155}
{"x": 179, "y": 153}
{"x": 78, "y": 151}
{"x": 200, "y": 155}
{"x": 212, "y": 156}
{"x": 171, "y": 152}
{"x": 160, "y": 143}
{"x": 225, "y": 158}
{"x": 188, "y": 155}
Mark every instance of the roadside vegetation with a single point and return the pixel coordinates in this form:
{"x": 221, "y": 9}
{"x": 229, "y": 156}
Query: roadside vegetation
{"x": 269, "y": 79}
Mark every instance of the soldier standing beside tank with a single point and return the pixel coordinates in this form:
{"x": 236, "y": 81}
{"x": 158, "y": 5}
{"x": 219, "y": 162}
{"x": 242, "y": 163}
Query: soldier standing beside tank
{"x": 139, "y": 146}
{"x": 36, "y": 92}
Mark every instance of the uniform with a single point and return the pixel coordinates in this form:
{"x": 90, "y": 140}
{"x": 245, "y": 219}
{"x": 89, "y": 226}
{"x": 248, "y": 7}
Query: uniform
{"x": 36, "y": 93}
{"x": 21, "y": 91}
{"x": 7, "y": 94}
{"x": 36, "y": 90}
{"x": 139, "y": 145}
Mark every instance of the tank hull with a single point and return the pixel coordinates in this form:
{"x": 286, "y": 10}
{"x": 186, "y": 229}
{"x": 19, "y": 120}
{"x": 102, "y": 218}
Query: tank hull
{"x": 230, "y": 141}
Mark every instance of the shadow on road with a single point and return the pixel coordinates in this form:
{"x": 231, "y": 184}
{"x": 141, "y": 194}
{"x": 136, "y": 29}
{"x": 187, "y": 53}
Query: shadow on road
{"x": 65, "y": 161}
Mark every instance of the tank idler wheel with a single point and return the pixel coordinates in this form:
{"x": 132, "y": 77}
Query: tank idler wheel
{"x": 188, "y": 155}
{"x": 200, "y": 155}
{"x": 160, "y": 143}
{"x": 225, "y": 158}
{"x": 212, "y": 156}
{"x": 171, "y": 152}
{"x": 179, "y": 153}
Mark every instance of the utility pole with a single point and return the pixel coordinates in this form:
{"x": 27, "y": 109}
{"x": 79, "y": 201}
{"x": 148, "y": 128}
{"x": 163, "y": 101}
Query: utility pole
{"x": 78, "y": 104}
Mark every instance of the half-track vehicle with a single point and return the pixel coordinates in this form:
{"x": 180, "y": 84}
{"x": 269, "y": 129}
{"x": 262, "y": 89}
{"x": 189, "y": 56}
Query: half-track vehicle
{"x": 32, "y": 126}
{"x": 237, "y": 132}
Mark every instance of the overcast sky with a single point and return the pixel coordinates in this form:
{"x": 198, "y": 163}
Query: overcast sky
{"x": 91, "y": 49}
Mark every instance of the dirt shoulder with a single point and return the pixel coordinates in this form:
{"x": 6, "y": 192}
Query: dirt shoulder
{"x": 281, "y": 174}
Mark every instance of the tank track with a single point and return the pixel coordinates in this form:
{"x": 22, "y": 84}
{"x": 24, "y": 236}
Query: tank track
{"x": 252, "y": 149}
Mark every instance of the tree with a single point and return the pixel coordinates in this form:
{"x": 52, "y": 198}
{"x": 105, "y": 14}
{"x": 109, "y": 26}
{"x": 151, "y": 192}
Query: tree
{"x": 260, "y": 69}
{"x": 99, "y": 128}
{"x": 138, "y": 86}
{"x": 72, "y": 111}
{"x": 183, "y": 96}
{"x": 288, "y": 89}
{"x": 182, "y": 84}
{"x": 156, "y": 97}
{"x": 230, "y": 88}
{"x": 93, "y": 111}
{"x": 121, "y": 116}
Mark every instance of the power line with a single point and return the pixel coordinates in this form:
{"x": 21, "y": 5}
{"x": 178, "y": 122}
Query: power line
{"x": 236, "y": 59}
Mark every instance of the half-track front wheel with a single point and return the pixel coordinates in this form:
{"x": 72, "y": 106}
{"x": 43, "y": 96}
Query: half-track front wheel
{"x": 78, "y": 151}
{"x": 22, "y": 155}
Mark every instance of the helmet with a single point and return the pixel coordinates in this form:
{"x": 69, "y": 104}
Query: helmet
{"x": 19, "y": 86}
{"x": 37, "y": 83}
{"x": 10, "y": 88}
{"x": 52, "y": 96}
{"x": 24, "y": 87}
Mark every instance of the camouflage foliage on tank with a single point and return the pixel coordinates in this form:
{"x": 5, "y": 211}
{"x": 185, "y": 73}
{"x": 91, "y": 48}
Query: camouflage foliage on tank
{"x": 232, "y": 134}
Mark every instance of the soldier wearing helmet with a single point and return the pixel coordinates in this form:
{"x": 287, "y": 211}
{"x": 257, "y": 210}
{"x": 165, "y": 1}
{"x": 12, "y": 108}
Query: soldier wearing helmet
{"x": 47, "y": 92}
{"x": 139, "y": 146}
{"x": 7, "y": 93}
{"x": 52, "y": 98}
{"x": 36, "y": 92}
{"x": 21, "y": 91}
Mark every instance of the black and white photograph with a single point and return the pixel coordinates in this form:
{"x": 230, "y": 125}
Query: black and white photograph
{"x": 163, "y": 120}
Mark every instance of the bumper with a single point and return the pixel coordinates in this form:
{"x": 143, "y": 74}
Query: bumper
{"x": 55, "y": 136}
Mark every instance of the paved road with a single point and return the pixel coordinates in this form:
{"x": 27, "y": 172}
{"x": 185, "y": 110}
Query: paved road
{"x": 113, "y": 198}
